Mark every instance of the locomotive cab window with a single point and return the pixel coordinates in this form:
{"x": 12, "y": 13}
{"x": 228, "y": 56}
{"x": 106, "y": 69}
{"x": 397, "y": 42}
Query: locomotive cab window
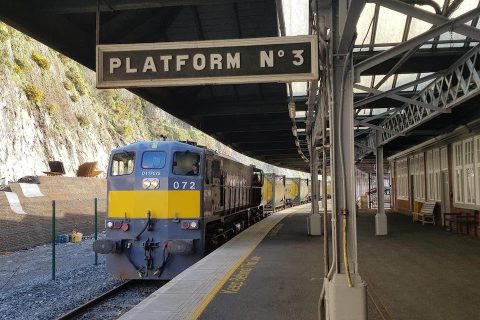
{"x": 186, "y": 163}
{"x": 153, "y": 159}
{"x": 122, "y": 163}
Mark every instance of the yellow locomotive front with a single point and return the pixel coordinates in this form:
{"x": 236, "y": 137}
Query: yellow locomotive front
{"x": 155, "y": 224}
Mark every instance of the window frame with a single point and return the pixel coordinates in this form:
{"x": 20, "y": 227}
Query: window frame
{"x": 187, "y": 175}
{"x": 112, "y": 162}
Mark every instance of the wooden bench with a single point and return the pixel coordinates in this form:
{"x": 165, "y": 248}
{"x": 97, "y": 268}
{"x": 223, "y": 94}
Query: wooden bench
{"x": 56, "y": 168}
{"x": 426, "y": 213}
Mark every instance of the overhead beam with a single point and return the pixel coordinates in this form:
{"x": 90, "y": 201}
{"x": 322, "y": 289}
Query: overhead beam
{"x": 392, "y": 95}
{"x": 90, "y": 6}
{"x": 426, "y": 16}
{"x": 140, "y": 32}
{"x": 247, "y": 137}
{"x": 415, "y": 41}
{"x": 386, "y": 94}
{"x": 257, "y": 129}
{"x": 424, "y": 60}
{"x": 236, "y": 109}
{"x": 372, "y": 126}
{"x": 278, "y": 150}
{"x": 361, "y": 145}
{"x": 375, "y": 117}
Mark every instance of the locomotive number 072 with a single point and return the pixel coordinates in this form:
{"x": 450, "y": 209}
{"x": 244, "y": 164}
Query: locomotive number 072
{"x": 184, "y": 185}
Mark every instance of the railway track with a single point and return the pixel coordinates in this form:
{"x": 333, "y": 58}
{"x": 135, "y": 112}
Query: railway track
{"x": 115, "y": 302}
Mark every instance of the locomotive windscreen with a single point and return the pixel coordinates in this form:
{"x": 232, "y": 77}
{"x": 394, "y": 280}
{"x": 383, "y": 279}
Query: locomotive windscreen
{"x": 122, "y": 163}
{"x": 186, "y": 163}
{"x": 153, "y": 159}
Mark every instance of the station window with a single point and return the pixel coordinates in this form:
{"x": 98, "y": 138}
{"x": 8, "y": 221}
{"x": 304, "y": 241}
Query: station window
{"x": 468, "y": 171}
{"x": 153, "y": 159}
{"x": 402, "y": 179}
{"x": 122, "y": 163}
{"x": 444, "y": 159}
{"x": 458, "y": 172}
{"x": 186, "y": 163}
{"x": 417, "y": 169}
{"x": 433, "y": 174}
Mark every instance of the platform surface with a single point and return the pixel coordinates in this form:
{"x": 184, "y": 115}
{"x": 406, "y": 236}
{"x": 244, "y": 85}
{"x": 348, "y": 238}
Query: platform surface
{"x": 281, "y": 279}
{"x": 274, "y": 270}
{"x": 186, "y": 296}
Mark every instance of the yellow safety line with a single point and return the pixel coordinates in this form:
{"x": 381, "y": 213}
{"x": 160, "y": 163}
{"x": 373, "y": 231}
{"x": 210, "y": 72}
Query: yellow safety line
{"x": 213, "y": 292}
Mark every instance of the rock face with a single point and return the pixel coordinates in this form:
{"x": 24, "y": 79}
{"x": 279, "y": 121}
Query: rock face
{"x": 51, "y": 110}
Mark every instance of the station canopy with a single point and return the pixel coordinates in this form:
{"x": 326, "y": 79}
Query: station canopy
{"x": 379, "y": 29}
{"x": 254, "y": 118}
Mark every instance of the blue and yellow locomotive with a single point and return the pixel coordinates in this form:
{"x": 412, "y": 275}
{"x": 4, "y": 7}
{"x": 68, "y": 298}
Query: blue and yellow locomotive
{"x": 170, "y": 203}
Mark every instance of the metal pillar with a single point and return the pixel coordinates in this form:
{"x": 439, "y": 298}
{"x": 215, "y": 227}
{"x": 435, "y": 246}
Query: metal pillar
{"x": 346, "y": 297}
{"x": 380, "y": 217}
{"x": 369, "y": 188}
{"x": 274, "y": 204}
{"x": 314, "y": 219}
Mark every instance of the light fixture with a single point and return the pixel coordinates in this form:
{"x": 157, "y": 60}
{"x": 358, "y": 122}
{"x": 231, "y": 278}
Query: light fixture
{"x": 150, "y": 183}
{"x": 291, "y": 110}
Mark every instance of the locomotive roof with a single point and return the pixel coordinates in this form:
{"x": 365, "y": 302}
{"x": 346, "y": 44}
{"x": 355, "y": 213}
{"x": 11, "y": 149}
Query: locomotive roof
{"x": 153, "y": 145}
{"x": 148, "y": 145}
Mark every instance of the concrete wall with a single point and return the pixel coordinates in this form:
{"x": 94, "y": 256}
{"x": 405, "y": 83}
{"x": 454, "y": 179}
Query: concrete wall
{"x": 74, "y": 210}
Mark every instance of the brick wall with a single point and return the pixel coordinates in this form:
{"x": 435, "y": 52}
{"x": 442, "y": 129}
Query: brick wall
{"x": 74, "y": 210}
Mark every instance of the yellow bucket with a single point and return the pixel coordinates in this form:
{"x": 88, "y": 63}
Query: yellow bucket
{"x": 77, "y": 237}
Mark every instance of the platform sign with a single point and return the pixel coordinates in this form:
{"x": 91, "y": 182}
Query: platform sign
{"x": 283, "y": 59}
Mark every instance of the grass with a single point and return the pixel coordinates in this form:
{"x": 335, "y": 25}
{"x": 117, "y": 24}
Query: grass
{"x": 68, "y": 85}
{"x": 4, "y": 35}
{"x": 33, "y": 93}
{"x": 20, "y": 65}
{"x": 51, "y": 107}
{"x": 40, "y": 60}
{"x": 74, "y": 75}
{"x": 82, "y": 120}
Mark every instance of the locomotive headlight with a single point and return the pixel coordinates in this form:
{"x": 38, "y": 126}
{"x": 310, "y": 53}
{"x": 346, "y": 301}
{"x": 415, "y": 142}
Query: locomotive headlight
{"x": 146, "y": 183}
{"x": 190, "y": 224}
{"x": 109, "y": 224}
{"x": 151, "y": 183}
{"x": 154, "y": 184}
{"x": 193, "y": 225}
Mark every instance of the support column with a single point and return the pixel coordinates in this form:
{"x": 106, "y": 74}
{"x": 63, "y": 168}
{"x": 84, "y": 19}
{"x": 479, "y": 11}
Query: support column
{"x": 369, "y": 188}
{"x": 346, "y": 296}
{"x": 380, "y": 217}
{"x": 314, "y": 219}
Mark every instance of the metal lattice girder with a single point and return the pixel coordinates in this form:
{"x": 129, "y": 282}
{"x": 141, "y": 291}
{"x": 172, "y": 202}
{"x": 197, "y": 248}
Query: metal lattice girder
{"x": 460, "y": 82}
{"x": 400, "y": 98}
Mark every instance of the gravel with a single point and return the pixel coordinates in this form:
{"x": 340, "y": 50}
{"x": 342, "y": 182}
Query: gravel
{"x": 119, "y": 304}
{"x": 26, "y": 288}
